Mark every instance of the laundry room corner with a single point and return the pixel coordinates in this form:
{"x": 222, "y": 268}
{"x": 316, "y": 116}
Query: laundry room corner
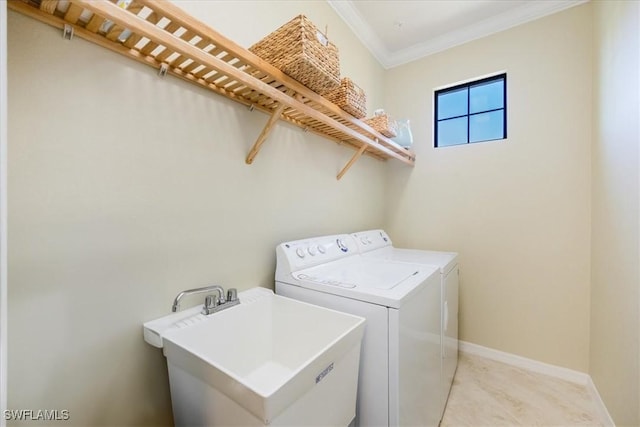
{"x": 516, "y": 210}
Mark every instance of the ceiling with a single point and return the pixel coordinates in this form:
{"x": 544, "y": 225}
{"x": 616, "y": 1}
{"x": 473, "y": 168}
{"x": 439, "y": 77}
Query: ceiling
{"x": 400, "y": 31}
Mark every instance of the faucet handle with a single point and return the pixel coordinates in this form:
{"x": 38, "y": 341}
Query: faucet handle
{"x": 211, "y": 301}
{"x": 232, "y": 294}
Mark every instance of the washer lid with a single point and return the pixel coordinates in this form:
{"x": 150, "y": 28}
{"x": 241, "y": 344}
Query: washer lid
{"x": 445, "y": 261}
{"x": 363, "y": 273}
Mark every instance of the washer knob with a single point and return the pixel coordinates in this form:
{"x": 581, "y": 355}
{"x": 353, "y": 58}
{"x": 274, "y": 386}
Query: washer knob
{"x": 300, "y": 252}
{"x": 312, "y": 250}
{"x": 321, "y": 249}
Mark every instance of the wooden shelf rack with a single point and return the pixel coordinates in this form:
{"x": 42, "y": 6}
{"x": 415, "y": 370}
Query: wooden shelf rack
{"x": 161, "y": 35}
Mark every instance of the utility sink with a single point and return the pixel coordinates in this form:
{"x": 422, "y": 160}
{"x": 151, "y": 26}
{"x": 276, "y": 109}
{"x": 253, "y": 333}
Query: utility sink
{"x": 270, "y": 360}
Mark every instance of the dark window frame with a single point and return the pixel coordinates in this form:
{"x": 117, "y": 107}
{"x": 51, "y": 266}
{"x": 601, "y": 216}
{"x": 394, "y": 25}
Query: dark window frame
{"x": 468, "y": 85}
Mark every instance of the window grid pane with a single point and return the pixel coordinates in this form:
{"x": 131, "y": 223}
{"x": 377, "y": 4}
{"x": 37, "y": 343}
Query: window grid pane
{"x": 486, "y": 126}
{"x": 485, "y": 97}
{"x": 453, "y": 104}
{"x": 453, "y": 131}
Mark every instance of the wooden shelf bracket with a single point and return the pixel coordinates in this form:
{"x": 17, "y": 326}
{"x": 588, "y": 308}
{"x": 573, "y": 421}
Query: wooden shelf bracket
{"x": 350, "y": 163}
{"x": 277, "y": 113}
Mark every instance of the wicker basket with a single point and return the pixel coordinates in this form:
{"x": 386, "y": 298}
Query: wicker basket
{"x": 350, "y": 98}
{"x": 383, "y": 124}
{"x": 301, "y": 51}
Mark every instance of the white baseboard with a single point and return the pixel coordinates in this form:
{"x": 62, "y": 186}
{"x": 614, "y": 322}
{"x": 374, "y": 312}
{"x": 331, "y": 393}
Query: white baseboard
{"x": 600, "y": 406}
{"x": 543, "y": 368}
{"x": 525, "y": 363}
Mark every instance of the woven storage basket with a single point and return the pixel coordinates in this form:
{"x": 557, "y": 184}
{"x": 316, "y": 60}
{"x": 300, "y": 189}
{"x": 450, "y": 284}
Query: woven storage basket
{"x": 301, "y": 51}
{"x": 383, "y": 124}
{"x": 350, "y": 98}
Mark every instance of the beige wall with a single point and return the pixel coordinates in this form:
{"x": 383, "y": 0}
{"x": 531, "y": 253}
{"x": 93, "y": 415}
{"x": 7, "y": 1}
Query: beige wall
{"x": 125, "y": 188}
{"x": 615, "y": 289}
{"x": 517, "y": 211}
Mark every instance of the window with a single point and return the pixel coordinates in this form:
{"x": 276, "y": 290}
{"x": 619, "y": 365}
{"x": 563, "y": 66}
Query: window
{"x": 471, "y": 112}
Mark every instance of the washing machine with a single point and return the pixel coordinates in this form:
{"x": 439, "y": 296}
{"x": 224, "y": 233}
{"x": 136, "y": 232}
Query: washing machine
{"x": 399, "y": 375}
{"x": 376, "y": 244}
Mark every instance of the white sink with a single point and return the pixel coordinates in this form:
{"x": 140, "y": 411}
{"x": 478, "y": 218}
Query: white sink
{"x": 270, "y": 360}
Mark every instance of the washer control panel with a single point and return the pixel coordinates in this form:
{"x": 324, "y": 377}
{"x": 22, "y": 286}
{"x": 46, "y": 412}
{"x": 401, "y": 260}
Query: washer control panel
{"x": 306, "y": 253}
{"x": 371, "y": 239}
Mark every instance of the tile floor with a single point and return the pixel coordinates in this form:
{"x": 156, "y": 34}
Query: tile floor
{"x": 490, "y": 393}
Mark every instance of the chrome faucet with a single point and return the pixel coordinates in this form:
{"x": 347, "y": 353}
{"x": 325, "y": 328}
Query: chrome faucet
{"x": 212, "y": 303}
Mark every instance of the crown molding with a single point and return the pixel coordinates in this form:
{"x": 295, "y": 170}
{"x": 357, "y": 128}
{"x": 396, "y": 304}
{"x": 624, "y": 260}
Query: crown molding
{"x": 363, "y": 31}
{"x": 528, "y": 12}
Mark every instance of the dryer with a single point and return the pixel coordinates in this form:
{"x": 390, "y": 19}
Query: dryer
{"x": 376, "y": 244}
{"x": 399, "y": 375}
